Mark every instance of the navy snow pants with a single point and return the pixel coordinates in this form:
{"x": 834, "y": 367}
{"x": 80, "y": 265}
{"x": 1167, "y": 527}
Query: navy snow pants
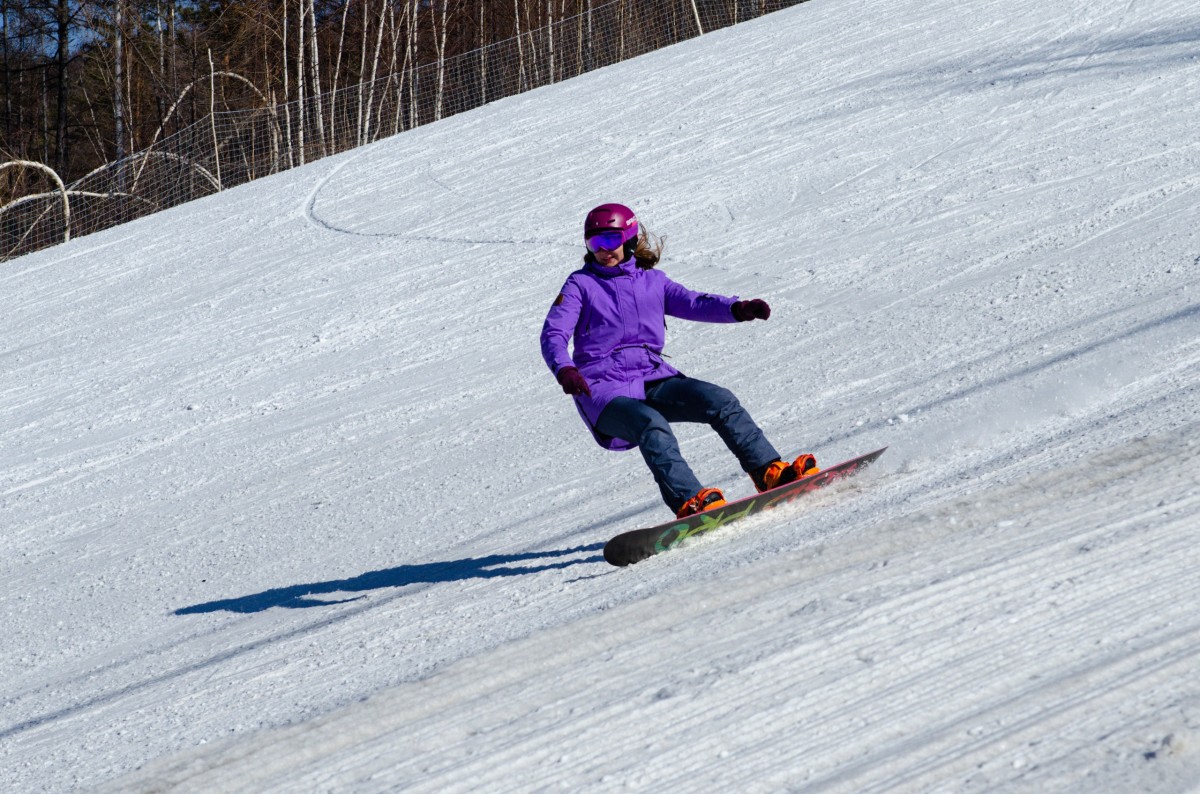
{"x": 683, "y": 399}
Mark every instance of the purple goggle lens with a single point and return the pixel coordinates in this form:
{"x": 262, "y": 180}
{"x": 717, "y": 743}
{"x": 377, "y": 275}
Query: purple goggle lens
{"x": 607, "y": 241}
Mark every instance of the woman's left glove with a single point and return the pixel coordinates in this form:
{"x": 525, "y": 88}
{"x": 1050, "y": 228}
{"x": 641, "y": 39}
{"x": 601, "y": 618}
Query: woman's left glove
{"x": 756, "y": 309}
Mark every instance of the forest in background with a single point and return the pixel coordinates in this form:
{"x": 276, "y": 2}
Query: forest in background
{"x": 88, "y": 83}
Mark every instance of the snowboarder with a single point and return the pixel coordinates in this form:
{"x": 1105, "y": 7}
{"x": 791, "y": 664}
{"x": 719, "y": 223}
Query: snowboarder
{"x": 613, "y": 310}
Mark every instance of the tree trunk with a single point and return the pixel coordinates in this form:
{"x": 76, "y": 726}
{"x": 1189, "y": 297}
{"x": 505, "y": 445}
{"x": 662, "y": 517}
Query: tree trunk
{"x": 159, "y": 103}
{"x": 392, "y": 77}
{"x": 410, "y": 14}
{"x": 8, "y": 103}
{"x": 119, "y": 80}
{"x": 316, "y": 75}
{"x": 588, "y": 38}
{"x": 63, "y": 22}
{"x": 301, "y": 104}
{"x": 483, "y": 53}
{"x": 362, "y": 72}
{"x": 337, "y": 70}
{"x": 410, "y": 58}
{"x": 439, "y": 42}
{"x": 365, "y": 129}
{"x": 287, "y": 92}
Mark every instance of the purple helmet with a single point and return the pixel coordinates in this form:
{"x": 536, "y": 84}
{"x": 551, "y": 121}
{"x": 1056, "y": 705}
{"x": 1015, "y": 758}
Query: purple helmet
{"x": 610, "y": 226}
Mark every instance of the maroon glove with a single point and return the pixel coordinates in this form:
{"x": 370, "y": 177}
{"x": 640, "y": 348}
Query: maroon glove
{"x": 756, "y": 309}
{"x": 572, "y": 382}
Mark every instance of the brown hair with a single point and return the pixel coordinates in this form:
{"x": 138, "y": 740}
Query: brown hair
{"x": 647, "y": 251}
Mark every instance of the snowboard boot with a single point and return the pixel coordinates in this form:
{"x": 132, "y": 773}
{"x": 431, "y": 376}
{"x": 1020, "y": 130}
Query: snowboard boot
{"x": 707, "y": 499}
{"x": 777, "y": 472}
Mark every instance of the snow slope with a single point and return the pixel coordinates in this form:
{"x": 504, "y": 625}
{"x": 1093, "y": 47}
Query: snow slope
{"x": 290, "y": 502}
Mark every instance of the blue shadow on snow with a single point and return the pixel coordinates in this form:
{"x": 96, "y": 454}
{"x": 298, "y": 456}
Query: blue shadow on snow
{"x": 300, "y": 596}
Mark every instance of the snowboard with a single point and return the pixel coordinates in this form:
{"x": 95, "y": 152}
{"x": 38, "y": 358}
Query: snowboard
{"x": 638, "y": 544}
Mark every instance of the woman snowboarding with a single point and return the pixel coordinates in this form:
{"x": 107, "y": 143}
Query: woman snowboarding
{"x": 613, "y": 311}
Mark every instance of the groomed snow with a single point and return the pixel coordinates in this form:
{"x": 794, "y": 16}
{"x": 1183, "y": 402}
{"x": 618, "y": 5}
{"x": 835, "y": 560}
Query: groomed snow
{"x": 291, "y": 503}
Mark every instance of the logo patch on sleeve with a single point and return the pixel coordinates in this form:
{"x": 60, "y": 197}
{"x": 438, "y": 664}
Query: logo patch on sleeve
{"x": 558, "y": 301}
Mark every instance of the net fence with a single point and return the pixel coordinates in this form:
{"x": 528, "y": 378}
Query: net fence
{"x": 227, "y": 149}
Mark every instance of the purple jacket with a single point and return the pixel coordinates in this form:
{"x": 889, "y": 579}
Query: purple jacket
{"x": 616, "y": 318}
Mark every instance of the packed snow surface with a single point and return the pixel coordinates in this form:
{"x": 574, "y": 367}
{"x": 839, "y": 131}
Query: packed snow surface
{"x": 290, "y": 501}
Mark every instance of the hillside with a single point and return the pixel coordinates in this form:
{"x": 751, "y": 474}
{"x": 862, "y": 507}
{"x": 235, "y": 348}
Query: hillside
{"x": 291, "y": 502}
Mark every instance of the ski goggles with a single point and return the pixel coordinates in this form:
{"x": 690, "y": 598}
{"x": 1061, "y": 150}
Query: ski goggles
{"x": 605, "y": 241}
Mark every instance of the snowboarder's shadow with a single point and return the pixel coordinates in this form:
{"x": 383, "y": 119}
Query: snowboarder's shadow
{"x": 303, "y": 596}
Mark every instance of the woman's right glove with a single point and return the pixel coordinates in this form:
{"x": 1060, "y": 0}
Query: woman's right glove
{"x": 572, "y": 382}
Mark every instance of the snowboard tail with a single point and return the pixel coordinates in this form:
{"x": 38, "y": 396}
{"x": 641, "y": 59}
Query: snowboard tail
{"x": 638, "y": 544}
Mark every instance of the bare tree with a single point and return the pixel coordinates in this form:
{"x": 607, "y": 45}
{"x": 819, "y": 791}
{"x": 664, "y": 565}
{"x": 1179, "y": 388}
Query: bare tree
{"x": 119, "y": 79}
{"x": 439, "y": 43}
{"x": 62, "y": 56}
{"x": 410, "y": 60}
{"x": 337, "y": 70}
{"x": 364, "y": 114}
{"x": 315, "y": 60}
{"x": 520, "y": 46}
{"x": 287, "y": 93}
{"x": 301, "y": 105}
